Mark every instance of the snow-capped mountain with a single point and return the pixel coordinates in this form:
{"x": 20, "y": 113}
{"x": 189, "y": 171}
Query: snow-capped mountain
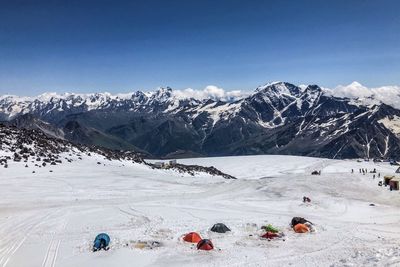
{"x": 51, "y": 105}
{"x": 277, "y": 118}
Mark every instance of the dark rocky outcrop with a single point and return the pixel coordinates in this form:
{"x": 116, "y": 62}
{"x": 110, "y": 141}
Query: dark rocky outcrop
{"x": 193, "y": 169}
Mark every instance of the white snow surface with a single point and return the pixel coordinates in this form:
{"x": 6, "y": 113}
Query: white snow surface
{"x": 393, "y": 124}
{"x": 51, "y": 218}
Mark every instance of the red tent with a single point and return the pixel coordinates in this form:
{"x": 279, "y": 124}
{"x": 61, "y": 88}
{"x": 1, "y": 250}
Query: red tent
{"x": 270, "y": 235}
{"x": 205, "y": 244}
{"x": 192, "y": 237}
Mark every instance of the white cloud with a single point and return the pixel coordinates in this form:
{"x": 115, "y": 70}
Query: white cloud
{"x": 214, "y": 92}
{"x": 353, "y": 90}
{"x": 386, "y": 94}
{"x": 210, "y": 92}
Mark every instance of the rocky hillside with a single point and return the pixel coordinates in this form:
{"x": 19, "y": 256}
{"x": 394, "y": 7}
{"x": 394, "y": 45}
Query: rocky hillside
{"x": 35, "y": 147}
{"x": 32, "y": 145}
{"x": 278, "y": 118}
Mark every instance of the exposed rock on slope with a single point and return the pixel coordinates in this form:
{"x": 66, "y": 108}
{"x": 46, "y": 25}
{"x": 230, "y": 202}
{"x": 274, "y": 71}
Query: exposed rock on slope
{"x": 192, "y": 169}
{"x": 33, "y": 146}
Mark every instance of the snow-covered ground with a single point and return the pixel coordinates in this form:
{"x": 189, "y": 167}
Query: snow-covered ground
{"x": 51, "y": 218}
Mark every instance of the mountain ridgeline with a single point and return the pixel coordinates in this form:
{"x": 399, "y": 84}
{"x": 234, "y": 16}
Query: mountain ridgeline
{"x": 278, "y": 118}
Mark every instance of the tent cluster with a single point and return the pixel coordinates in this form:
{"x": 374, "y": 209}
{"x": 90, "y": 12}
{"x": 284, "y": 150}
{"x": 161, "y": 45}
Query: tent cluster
{"x": 300, "y": 225}
{"x": 102, "y": 241}
{"x": 205, "y": 244}
{"x": 202, "y": 244}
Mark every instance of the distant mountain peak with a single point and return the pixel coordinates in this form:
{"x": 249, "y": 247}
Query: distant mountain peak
{"x": 279, "y": 87}
{"x": 278, "y": 118}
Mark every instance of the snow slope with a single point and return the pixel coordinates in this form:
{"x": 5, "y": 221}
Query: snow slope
{"x": 51, "y": 218}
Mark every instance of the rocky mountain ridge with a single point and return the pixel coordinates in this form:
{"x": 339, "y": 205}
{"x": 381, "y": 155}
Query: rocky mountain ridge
{"x": 278, "y": 118}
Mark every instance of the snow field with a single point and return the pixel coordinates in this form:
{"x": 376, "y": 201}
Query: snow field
{"x": 51, "y": 218}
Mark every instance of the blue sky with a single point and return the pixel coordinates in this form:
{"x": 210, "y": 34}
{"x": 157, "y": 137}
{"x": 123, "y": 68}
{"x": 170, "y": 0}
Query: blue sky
{"x": 118, "y": 46}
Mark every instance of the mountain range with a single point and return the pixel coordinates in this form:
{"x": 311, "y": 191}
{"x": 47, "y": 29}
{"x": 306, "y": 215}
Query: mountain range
{"x": 277, "y": 118}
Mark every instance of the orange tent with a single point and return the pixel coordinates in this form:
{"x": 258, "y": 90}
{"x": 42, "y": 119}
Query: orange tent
{"x": 301, "y": 228}
{"x": 192, "y": 237}
{"x": 205, "y": 244}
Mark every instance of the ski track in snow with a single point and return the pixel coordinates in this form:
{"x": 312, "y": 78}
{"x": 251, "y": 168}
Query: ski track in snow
{"x": 17, "y": 235}
{"x": 54, "y": 245}
{"x": 50, "y": 219}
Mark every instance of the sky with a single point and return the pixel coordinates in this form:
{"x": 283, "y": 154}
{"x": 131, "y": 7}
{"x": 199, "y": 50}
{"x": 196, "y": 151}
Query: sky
{"x": 120, "y": 46}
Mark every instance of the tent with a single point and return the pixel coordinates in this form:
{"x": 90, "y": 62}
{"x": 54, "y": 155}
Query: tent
{"x": 297, "y": 220}
{"x": 270, "y": 228}
{"x": 387, "y": 178}
{"x": 301, "y": 228}
{"x": 394, "y": 183}
{"x": 192, "y": 237}
{"x": 220, "y": 228}
{"x": 101, "y": 242}
{"x": 270, "y": 235}
{"x": 205, "y": 244}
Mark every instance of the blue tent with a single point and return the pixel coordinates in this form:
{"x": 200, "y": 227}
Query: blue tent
{"x": 101, "y": 242}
